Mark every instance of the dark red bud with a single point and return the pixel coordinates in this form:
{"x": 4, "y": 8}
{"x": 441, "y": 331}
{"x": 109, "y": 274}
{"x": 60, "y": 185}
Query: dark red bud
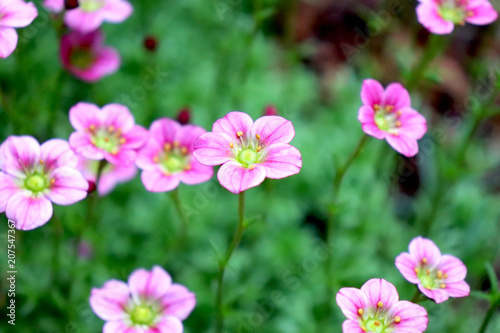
{"x": 70, "y": 4}
{"x": 184, "y": 116}
{"x": 270, "y": 110}
{"x": 91, "y": 188}
{"x": 150, "y": 43}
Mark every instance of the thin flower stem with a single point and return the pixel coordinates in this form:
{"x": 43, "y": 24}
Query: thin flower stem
{"x": 182, "y": 215}
{"x": 417, "y": 297}
{"x": 219, "y": 328}
{"x": 489, "y": 316}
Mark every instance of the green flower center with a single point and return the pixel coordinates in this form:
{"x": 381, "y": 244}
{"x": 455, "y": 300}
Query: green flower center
{"x": 108, "y": 139}
{"x": 387, "y": 119}
{"x": 142, "y": 315}
{"x": 248, "y": 157}
{"x": 81, "y": 58}
{"x": 36, "y": 183}
{"x": 375, "y": 325}
{"x": 430, "y": 278}
{"x": 91, "y": 5}
{"x": 173, "y": 158}
{"x": 175, "y": 163}
{"x": 453, "y": 10}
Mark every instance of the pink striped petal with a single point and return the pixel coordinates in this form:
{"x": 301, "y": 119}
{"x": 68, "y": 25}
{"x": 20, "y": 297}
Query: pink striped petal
{"x": 119, "y": 327}
{"x": 157, "y": 181}
{"x": 80, "y": 142}
{"x": 116, "y": 11}
{"x": 17, "y": 14}
{"x": 413, "y": 124}
{"x": 7, "y": 190}
{"x": 438, "y": 295}
{"x": 403, "y": 144}
{"x": 19, "y": 155}
{"x": 83, "y": 115}
{"x": 8, "y": 41}
{"x": 233, "y": 123}
{"x": 397, "y": 96}
{"x": 413, "y": 317}
{"x": 406, "y": 264}
{"x": 167, "y": 324}
{"x": 125, "y": 157}
{"x": 69, "y": 186}
{"x": 350, "y": 300}
{"x": 429, "y": 17}
{"x": 458, "y": 289}
{"x": 188, "y": 134}
{"x": 213, "y": 148}
{"x": 149, "y": 285}
{"x": 135, "y": 138}
{"x": 164, "y": 130}
{"x": 273, "y": 129}
{"x": 423, "y": 248}
{"x": 454, "y": 267}
{"x": 372, "y": 93}
{"x": 119, "y": 116}
{"x": 109, "y": 301}
{"x": 282, "y": 160}
{"x": 197, "y": 174}
{"x": 351, "y": 326}
{"x": 178, "y": 302}
{"x": 237, "y": 179}
{"x": 482, "y": 13}
{"x": 379, "y": 290}
{"x": 28, "y": 212}
{"x": 57, "y": 153}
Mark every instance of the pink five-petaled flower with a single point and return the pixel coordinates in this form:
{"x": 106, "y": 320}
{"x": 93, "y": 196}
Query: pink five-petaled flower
{"x": 249, "y": 152}
{"x": 149, "y": 303}
{"x": 440, "y": 16}
{"x": 13, "y": 14}
{"x": 85, "y": 56}
{"x": 376, "y": 308}
{"x": 109, "y": 133}
{"x": 438, "y": 276}
{"x": 167, "y": 158}
{"x": 33, "y": 176}
{"x": 388, "y": 115}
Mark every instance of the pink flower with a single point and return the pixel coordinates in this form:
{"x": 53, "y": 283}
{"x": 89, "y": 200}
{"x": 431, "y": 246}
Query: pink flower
{"x": 111, "y": 175}
{"x": 55, "y": 6}
{"x": 109, "y": 133}
{"x": 440, "y": 16}
{"x": 249, "y": 152}
{"x": 90, "y": 14}
{"x": 388, "y": 115}
{"x": 13, "y": 14}
{"x": 438, "y": 276}
{"x": 33, "y": 177}
{"x": 149, "y": 303}
{"x": 377, "y": 308}
{"x": 167, "y": 158}
{"x": 85, "y": 56}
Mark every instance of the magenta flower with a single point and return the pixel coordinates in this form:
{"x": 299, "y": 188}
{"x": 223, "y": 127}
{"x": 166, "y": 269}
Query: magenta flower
{"x": 167, "y": 158}
{"x": 90, "y": 14}
{"x": 85, "y": 56}
{"x": 13, "y": 14}
{"x": 438, "y": 276}
{"x": 440, "y": 16}
{"x": 149, "y": 303}
{"x": 388, "y": 115}
{"x": 109, "y": 133}
{"x": 249, "y": 152}
{"x": 377, "y": 308}
{"x": 32, "y": 177}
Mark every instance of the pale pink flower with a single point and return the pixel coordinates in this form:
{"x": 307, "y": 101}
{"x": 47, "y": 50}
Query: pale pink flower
{"x": 377, "y": 308}
{"x": 54, "y": 6}
{"x": 438, "y": 276}
{"x": 149, "y": 303}
{"x": 387, "y": 114}
{"x": 109, "y": 133}
{"x": 440, "y": 16}
{"x": 32, "y": 177}
{"x": 90, "y": 14}
{"x": 86, "y": 57}
{"x": 249, "y": 152}
{"x": 167, "y": 158}
{"x": 13, "y": 14}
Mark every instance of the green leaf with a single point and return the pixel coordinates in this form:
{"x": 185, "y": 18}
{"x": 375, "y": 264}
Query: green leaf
{"x": 493, "y": 277}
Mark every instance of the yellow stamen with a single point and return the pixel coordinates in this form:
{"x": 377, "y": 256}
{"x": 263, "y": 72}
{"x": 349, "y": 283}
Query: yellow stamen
{"x": 360, "y": 312}
{"x": 92, "y": 141}
{"x": 239, "y": 134}
{"x": 106, "y": 139}
{"x": 114, "y": 152}
{"x": 424, "y": 260}
{"x": 363, "y": 327}
{"x": 398, "y": 123}
{"x": 429, "y": 288}
{"x": 439, "y": 274}
{"x": 122, "y": 140}
{"x": 251, "y": 167}
{"x": 42, "y": 162}
{"x": 399, "y": 113}
{"x": 167, "y": 146}
{"x": 380, "y": 304}
{"x": 118, "y": 132}
{"x": 187, "y": 167}
{"x": 231, "y": 144}
{"x": 376, "y": 107}
{"x": 389, "y": 108}
{"x": 184, "y": 150}
{"x": 442, "y": 286}
{"x": 156, "y": 159}
{"x": 111, "y": 128}
{"x": 427, "y": 271}
{"x": 445, "y": 275}
{"x": 166, "y": 173}
{"x": 397, "y": 319}
{"x": 259, "y": 148}
{"x": 470, "y": 13}
{"x": 376, "y": 323}
{"x": 416, "y": 270}
{"x": 176, "y": 144}
{"x": 257, "y": 136}
{"x": 52, "y": 181}
{"x": 92, "y": 128}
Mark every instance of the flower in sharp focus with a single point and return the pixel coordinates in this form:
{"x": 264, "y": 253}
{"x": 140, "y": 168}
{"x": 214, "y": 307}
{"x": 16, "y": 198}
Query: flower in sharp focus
{"x": 440, "y": 16}
{"x": 32, "y": 177}
{"x": 249, "y": 152}
{"x": 90, "y": 14}
{"x": 149, "y": 302}
{"x": 13, "y": 14}
{"x": 85, "y": 56}
{"x": 167, "y": 158}
{"x": 437, "y": 276}
{"x": 376, "y": 308}
{"x": 109, "y": 133}
{"x": 387, "y": 114}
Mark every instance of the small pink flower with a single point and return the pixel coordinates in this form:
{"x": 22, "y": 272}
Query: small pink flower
{"x": 111, "y": 175}
{"x": 438, "y": 276}
{"x": 167, "y": 158}
{"x": 249, "y": 152}
{"x": 13, "y": 14}
{"x": 109, "y": 133}
{"x": 33, "y": 177}
{"x": 440, "y": 16}
{"x": 150, "y": 302}
{"x": 377, "y": 308}
{"x": 90, "y": 14}
{"x": 388, "y": 115}
{"x": 85, "y": 56}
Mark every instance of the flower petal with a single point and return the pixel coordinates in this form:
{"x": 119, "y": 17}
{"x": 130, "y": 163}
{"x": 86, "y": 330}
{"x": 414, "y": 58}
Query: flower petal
{"x": 107, "y": 61}
{"x": 119, "y": 327}
{"x": 233, "y": 123}
{"x": 237, "y": 179}
{"x": 458, "y": 289}
{"x": 19, "y": 155}
{"x": 372, "y": 93}
{"x": 117, "y": 11}
{"x": 119, "y": 116}
{"x": 413, "y": 317}
{"x": 125, "y": 157}
{"x": 438, "y": 295}
{"x": 351, "y": 326}
{"x": 8, "y": 41}
{"x": 423, "y": 249}
{"x": 178, "y": 302}
{"x": 135, "y": 138}
{"x": 28, "y": 212}
{"x": 273, "y": 129}
{"x": 380, "y": 290}
{"x": 429, "y": 17}
{"x": 164, "y": 130}
{"x": 282, "y": 160}
{"x": 82, "y": 21}
{"x": 406, "y": 264}
{"x": 167, "y": 324}
{"x": 151, "y": 285}
{"x": 373, "y": 130}
{"x": 453, "y": 267}
{"x": 413, "y": 124}
{"x": 57, "y": 153}
{"x": 157, "y": 181}
{"x": 17, "y": 14}
{"x": 188, "y": 134}
{"x": 146, "y": 155}
{"x": 350, "y": 300}
{"x": 397, "y": 96}
{"x": 83, "y": 115}
{"x": 80, "y": 142}
{"x": 109, "y": 301}
{"x": 482, "y": 13}
{"x": 119, "y": 174}
{"x": 213, "y": 148}
{"x": 197, "y": 174}
{"x": 7, "y": 190}
{"x": 403, "y": 144}
{"x": 69, "y": 186}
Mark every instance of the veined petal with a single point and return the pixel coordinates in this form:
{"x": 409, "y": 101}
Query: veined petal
{"x": 237, "y": 179}
{"x": 273, "y": 129}
{"x": 413, "y": 317}
{"x": 178, "y": 302}
{"x": 197, "y": 173}
{"x": 119, "y": 116}
{"x": 157, "y": 181}
{"x": 380, "y": 290}
{"x": 403, "y": 144}
{"x": 119, "y": 327}
{"x": 351, "y": 326}
{"x": 57, "y": 153}
{"x": 282, "y": 160}
{"x": 406, "y": 264}
{"x": 424, "y": 250}
{"x": 372, "y": 93}
{"x": 83, "y": 115}
{"x": 152, "y": 284}
{"x": 438, "y": 295}
{"x": 458, "y": 289}
{"x": 17, "y": 14}
{"x": 7, "y": 190}
{"x": 135, "y": 138}
{"x": 350, "y": 300}
{"x": 428, "y": 16}
{"x": 80, "y": 142}
{"x": 19, "y": 155}
{"x": 164, "y": 130}
{"x": 233, "y": 123}
{"x": 8, "y": 41}
{"x": 146, "y": 155}
{"x": 28, "y": 212}
{"x": 213, "y": 148}
{"x": 453, "y": 267}
{"x": 397, "y": 96}
{"x": 413, "y": 124}
{"x": 125, "y": 157}
{"x": 109, "y": 301}
{"x": 167, "y": 324}
{"x": 69, "y": 186}
{"x": 188, "y": 134}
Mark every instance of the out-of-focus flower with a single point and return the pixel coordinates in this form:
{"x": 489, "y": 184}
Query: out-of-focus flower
{"x": 109, "y": 133}
{"x": 90, "y": 14}
{"x": 377, "y": 308}
{"x": 167, "y": 158}
{"x": 150, "y": 302}
{"x": 249, "y": 152}
{"x": 388, "y": 115}
{"x": 270, "y": 110}
{"x": 57, "y": 6}
{"x": 32, "y": 177}
{"x": 184, "y": 116}
{"x": 440, "y": 16}
{"x": 150, "y": 43}
{"x": 85, "y": 56}
{"x": 438, "y": 276}
{"x": 13, "y": 14}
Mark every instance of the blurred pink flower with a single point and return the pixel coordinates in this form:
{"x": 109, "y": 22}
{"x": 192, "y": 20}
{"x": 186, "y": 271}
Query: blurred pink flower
{"x": 150, "y": 302}
{"x": 270, "y": 110}
{"x": 13, "y": 14}
{"x": 438, "y": 276}
{"x": 111, "y": 175}
{"x": 55, "y": 6}
{"x": 249, "y": 152}
{"x": 85, "y": 56}
{"x": 377, "y": 308}
{"x": 90, "y": 14}
{"x": 388, "y": 115}
{"x": 440, "y": 16}
{"x": 32, "y": 177}
{"x": 109, "y": 133}
{"x": 167, "y": 158}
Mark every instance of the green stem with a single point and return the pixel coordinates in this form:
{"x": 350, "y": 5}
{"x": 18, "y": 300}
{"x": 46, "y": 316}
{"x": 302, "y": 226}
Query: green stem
{"x": 219, "y": 328}
{"x": 418, "y": 297}
{"x": 489, "y": 315}
{"x": 184, "y": 219}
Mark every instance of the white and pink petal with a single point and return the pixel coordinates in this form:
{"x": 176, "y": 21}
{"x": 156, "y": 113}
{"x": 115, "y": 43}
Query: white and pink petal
{"x": 282, "y": 160}
{"x": 236, "y": 178}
